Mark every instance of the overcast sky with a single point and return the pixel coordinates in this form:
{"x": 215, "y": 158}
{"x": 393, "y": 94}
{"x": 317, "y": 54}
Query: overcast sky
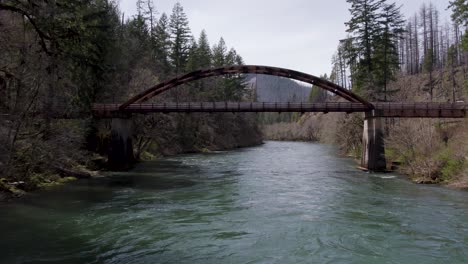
{"x": 296, "y": 34}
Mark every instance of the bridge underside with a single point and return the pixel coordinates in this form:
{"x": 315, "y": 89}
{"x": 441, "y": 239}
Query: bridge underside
{"x": 373, "y": 156}
{"x": 390, "y": 110}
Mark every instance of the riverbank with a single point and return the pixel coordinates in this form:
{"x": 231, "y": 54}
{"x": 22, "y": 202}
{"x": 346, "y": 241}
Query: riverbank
{"x": 14, "y": 190}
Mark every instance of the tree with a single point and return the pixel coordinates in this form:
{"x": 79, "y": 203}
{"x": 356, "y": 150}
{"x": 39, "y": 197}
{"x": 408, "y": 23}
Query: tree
{"x": 200, "y": 58}
{"x": 58, "y": 57}
{"x": 460, "y": 11}
{"x": 460, "y": 17}
{"x": 387, "y": 54}
{"x": 161, "y": 46}
{"x": 339, "y": 69}
{"x": 204, "y": 51}
{"x": 364, "y": 26}
{"x": 180, "y": 38}
{"x": 451, "y": 62}
{"x": 219, "y": 53}
{"x": 428, "y": 66}
{"x": 150, "y": 15}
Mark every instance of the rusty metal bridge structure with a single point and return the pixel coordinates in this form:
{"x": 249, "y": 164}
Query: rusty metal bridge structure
{"x": 390, "y": 110}
{"x": 373, "y": 157}
{"x": 137, "y": 105}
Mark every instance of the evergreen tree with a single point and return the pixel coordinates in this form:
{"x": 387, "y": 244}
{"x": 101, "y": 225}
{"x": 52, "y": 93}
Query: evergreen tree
{"x": 428, "y": 66}
{"x": 193, "y": 59}
{"x": 200, "y": 58}
{"x": 192, "y": 65}
{"x": 460, "y": 17}
{"x": 180, "y": 38}
{"x": 364, "y": 27}
{"x": 387, "y": 53}
{"x": 204, "y": 51}
{"x": 161, "y": 46}
{"x": 460, "y": 11}
{"x": 234, "y": 83}
{"x": 219, "y": 54}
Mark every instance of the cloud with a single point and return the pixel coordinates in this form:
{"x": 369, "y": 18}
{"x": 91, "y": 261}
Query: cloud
{"x": 297, "y": 34}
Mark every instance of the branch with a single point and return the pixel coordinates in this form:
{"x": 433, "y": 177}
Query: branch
{"x": 43, "y": 37}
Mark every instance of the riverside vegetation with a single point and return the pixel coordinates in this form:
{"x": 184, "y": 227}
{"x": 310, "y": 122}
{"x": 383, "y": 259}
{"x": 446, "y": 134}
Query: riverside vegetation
{"x": 388, "y": 59}
{"x": 58, "y": 57}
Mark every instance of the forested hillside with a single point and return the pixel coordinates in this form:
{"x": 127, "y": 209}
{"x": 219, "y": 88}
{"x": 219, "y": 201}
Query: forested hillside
{"x": 59, "y": 57}
{"x": 389, "y": 58}
{"x": 277, "y": 89}
{"x": 383, "y": 44}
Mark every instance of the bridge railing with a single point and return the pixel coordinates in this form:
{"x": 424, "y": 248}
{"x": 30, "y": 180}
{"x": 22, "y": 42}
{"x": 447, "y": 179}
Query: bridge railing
{"x": 236, "y": 107}
{"x": 430, "y": 110}
{"x": 422, "y": 109}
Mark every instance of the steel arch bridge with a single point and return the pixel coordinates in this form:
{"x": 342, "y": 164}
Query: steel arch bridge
{"x": 373, "y": 156}
{"x": 244, "y": 69}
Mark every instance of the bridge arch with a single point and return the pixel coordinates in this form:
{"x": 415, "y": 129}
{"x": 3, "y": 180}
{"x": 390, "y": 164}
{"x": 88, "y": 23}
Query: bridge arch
{"x": 238, "y": 69}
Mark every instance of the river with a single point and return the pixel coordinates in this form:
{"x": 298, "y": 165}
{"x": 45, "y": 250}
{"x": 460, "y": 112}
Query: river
{"x": 282, "y": 202}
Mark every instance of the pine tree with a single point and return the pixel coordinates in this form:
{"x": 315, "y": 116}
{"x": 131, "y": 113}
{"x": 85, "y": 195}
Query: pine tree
{"x": 192, "y": 65}
{"x": 219, "y": 54}
{"x": 161, "y": 46}
{"x": 180, "y": 38}
{"x": 203, "y": 58}
{"x": 364, "y": 26}
{"x": 460, "y": 11}
{"x": 428, "y": 66}
{"x": 234, "y": 84}
{"x": 387, "y": 56}
{"x": 460, "y": 17}
{"x": 150, "y": 15}
{"x": 204, "y": 51}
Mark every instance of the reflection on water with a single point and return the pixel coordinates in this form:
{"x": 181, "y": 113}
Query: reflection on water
{"x": 278, "y": 203}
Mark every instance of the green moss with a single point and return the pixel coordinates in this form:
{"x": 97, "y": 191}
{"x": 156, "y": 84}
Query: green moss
{"x": 392, "y": 155}
{"x": 66, "y": 179}
{"x": 204, "y": 150}
{"x": 451, "y": 164}
{"x": 147, "y": 156}
{"x": 44, "y": 181}
{"x": 4, "y": 186}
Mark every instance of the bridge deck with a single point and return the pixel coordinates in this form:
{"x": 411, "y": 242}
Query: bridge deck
{"x": 407, "y": 110}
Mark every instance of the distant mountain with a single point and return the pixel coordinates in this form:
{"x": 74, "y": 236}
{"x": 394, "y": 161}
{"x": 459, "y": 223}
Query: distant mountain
{"x": 277, "y": 89}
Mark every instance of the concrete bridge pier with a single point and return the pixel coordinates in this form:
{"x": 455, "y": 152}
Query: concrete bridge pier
{"x": 120, "y": 155}
{"x": 373, "y": 148}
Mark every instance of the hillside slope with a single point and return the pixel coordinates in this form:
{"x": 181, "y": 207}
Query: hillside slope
{"x": 429, "y": 150}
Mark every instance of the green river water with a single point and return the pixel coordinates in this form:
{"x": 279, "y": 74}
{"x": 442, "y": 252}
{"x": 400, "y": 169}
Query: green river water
{"x": 282, "y": 202}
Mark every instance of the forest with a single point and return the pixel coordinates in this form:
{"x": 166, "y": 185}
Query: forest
{"x": 389, "y": 58}
{"x": 59, "y": 57}
{"x": 382, "y": 44}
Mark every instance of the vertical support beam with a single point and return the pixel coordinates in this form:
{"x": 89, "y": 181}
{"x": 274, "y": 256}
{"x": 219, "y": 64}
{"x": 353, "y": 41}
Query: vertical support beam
{"x": 120, "y": 156}
{"x": 373, "y": 148}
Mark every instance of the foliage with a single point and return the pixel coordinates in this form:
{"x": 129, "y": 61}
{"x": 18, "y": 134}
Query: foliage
{"x": 180, "y": 38}
{"x": 58, "y": 57}
{"x": 371, "y": 51}
{"x": 451, "y": 165}
{"x": 460, "y": 17}
{"x": 460, "y": 11}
